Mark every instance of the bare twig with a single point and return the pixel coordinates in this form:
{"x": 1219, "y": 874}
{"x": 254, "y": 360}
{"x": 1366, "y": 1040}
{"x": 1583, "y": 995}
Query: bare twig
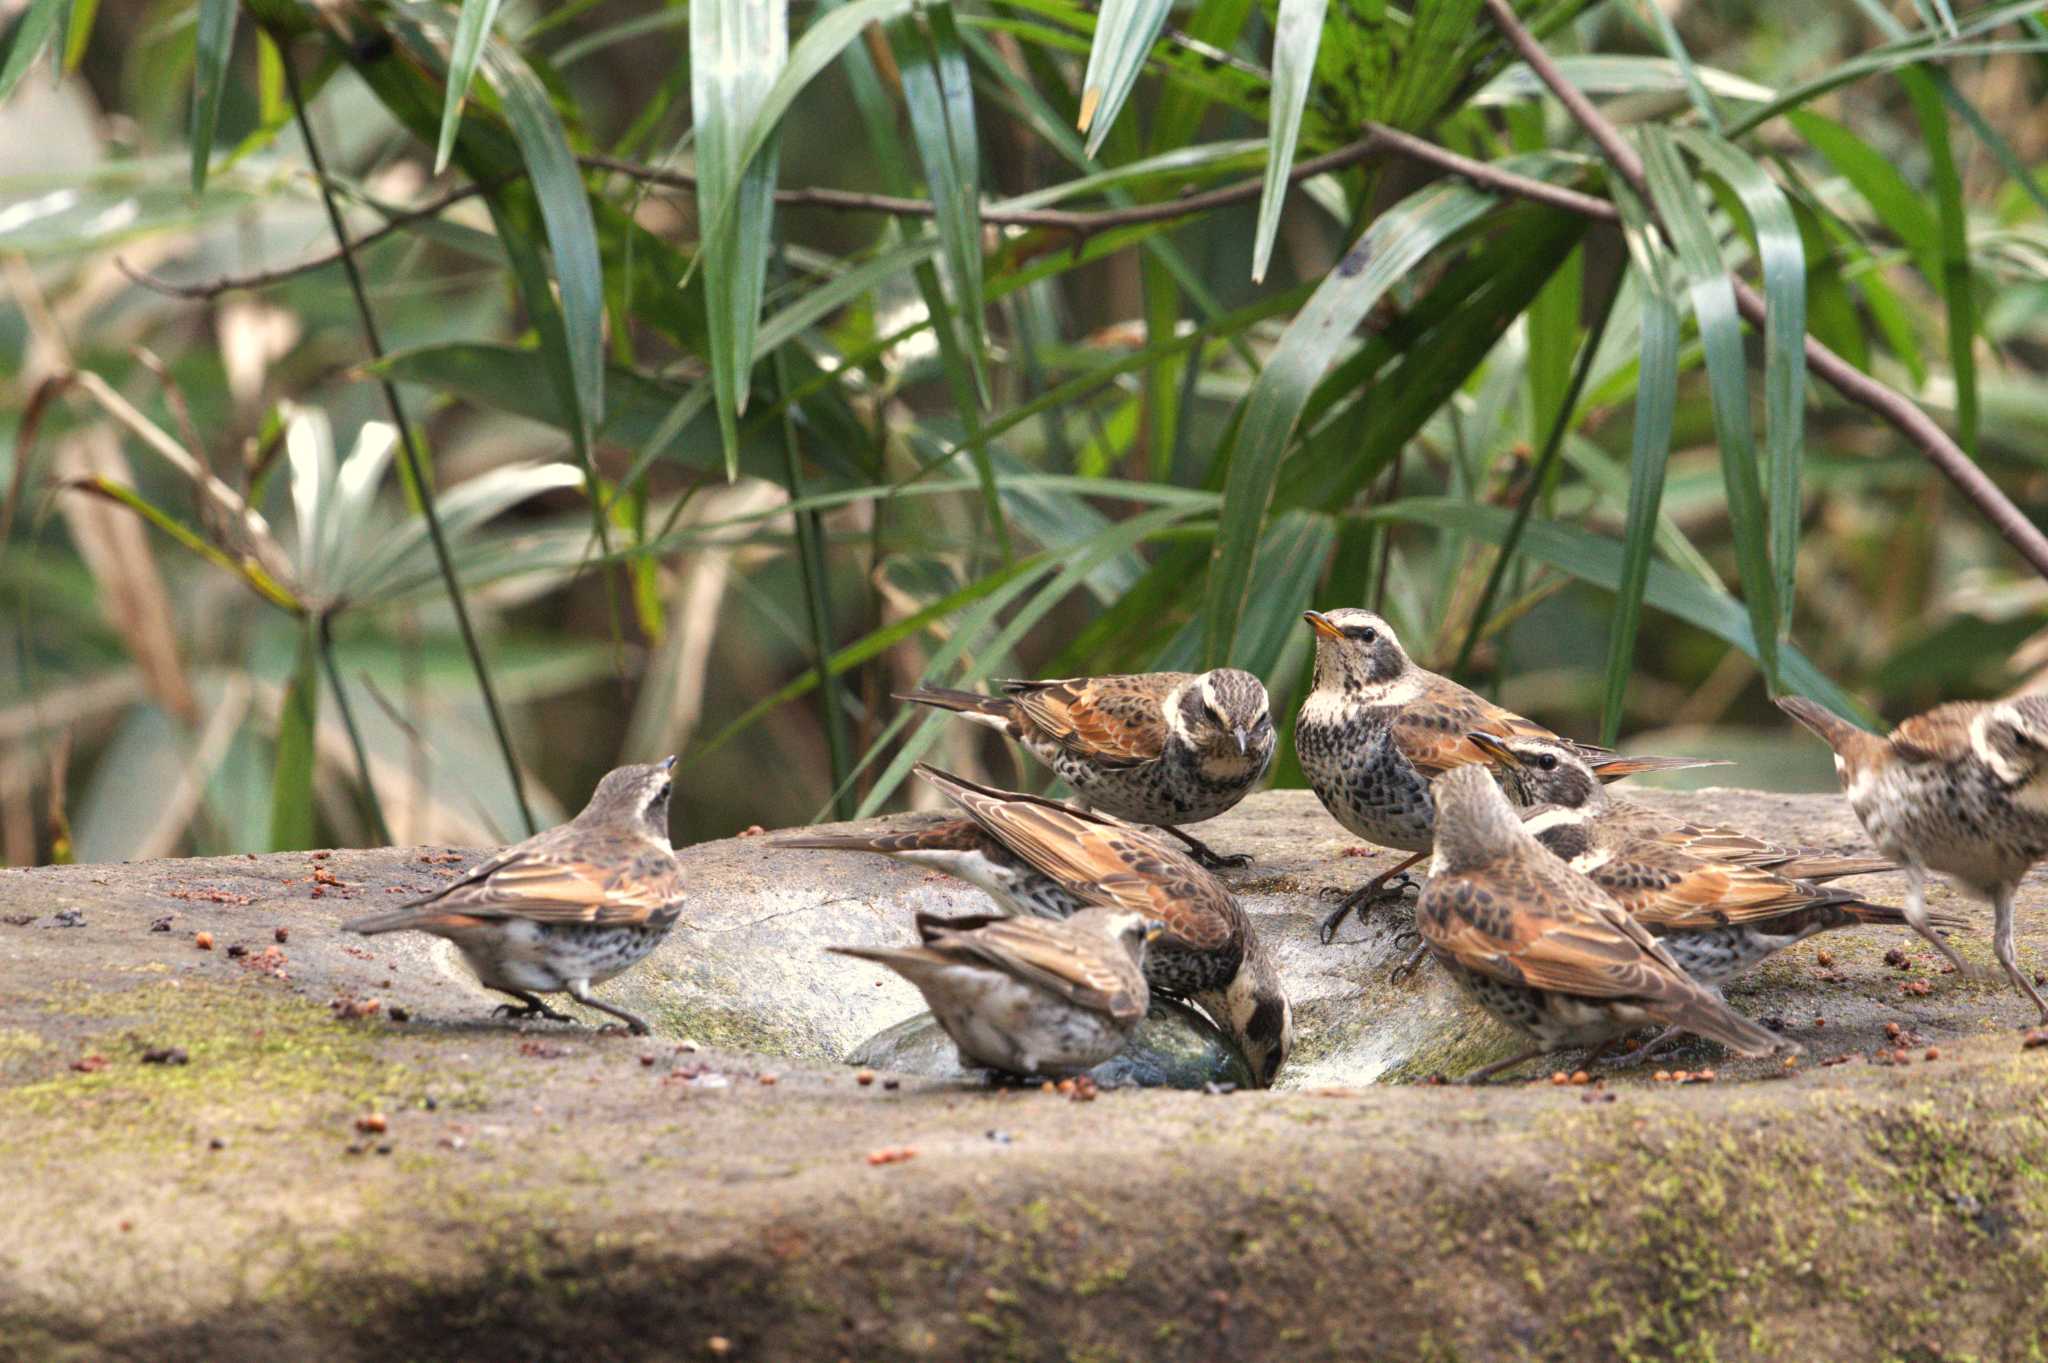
{"x": 1492, "y": 177}
{"x": 1081, "y": 224}
{"x": 409, "y": 447}
{"x": 1901, "y": 412}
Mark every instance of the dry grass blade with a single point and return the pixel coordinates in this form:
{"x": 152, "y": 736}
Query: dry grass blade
{"x": 115, "y": 549}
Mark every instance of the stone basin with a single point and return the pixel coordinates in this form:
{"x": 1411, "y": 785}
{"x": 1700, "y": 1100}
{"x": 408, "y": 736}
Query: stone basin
{"x": 221, "y": 1154}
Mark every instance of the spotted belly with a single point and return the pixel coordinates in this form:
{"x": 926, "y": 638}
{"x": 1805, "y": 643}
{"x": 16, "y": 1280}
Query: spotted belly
{"x": 1716, "y": 954}
{"x": 543, "y": 958}
{"x": 1172, "y": 791}
{"x": 1551, "y": 1020}
{"x": 1366, "y": 784}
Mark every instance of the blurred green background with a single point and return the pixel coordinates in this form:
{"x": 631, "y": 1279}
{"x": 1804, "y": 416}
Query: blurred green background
{"x": 973, "y": 443}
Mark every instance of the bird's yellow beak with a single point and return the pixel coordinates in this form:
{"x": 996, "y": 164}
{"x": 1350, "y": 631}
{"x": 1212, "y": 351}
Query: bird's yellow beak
{"x": 1320, "y": 623}
{"x": 1494, "y": 748}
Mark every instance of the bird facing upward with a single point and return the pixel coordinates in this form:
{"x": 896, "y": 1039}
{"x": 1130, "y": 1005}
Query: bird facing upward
{"x": 1962, "y": 790}
{"x": 568, "y": 908}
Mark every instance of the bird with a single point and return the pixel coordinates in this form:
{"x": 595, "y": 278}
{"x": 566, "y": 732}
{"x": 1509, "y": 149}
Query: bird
{"x": 568, "y": 908}
{"x": 1717, "y": 918}
{"x": 1536, "y": 772}
{"x": 1160, "y": 748}
{"x": 1030, "y": 996}
{"x": 1375, "y": 731}
{"x": 1040, "y": 857}
{"x": 1962, "y": 790}
{"x": 1543, "y": 948}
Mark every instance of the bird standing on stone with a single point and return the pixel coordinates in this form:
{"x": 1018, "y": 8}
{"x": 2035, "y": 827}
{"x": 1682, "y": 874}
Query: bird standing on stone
{"x": 1161, "y": 748}
{"x": 1036, "y": 996}
{"x": 1041, "y": 857}
{"x": 1962, "y": 790}
{"x": 1543, "y": 948}
{"x": 1376, "y": 731}
{"x": 566, "y": 909}
{"x": 1716, "y": 918}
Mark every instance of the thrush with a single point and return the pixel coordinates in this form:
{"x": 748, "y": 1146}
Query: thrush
{"x": 1717, "y": 918}
{"x": 566, "y": 909}
{"x": 1045, "y": 858}
{"x": 1962, "y": 790}
{"x": 1375, "y": 732}
{"x": 1032, "y": 996}
{"x": 1548, "y": 771}
{"x": 1543, "y": 948}
{"x": 1160, "y": 748}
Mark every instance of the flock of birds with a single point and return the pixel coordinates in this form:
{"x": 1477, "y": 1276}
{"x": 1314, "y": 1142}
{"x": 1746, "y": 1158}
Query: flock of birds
{"x": 1574, "y": 917}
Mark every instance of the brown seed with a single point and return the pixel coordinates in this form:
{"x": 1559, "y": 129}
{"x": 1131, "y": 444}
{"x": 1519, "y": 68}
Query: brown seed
{"x": 1820, "y": 1022}
{"x": 1560, "y": 1077}
{"x": 203, "y": 940}
{"x": 864, "y": 1078}
{"x": 1581, "y": 1077}
{"x": 1934, "y": 1052}
{"x": 1891, "y": 1029}
{"x": 372, "y": 1123}
{"x": 1662, "y": 1076}
{"x": 1824, "y": 958}
{"x": 283, "y": 935}
{"x": 647, "y": 1060}
{"x": 719, "y": 1345}
{"x": 768, "y": 1080}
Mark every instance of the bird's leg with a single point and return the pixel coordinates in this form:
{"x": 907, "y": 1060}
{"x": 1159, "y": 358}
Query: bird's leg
{"x": 580, "y": 991}
{"x": 1916, "y": 917}
{"x": 1363, "y": 897}
{"x": 1485, "y": 1072}
{"x": 1204, "y": 854}
{"x": 2001, "y": 944}
{"x": 1658, "y": 1043}
{"x": 534, "y": 1008}
{"x": 1409, "y": 963}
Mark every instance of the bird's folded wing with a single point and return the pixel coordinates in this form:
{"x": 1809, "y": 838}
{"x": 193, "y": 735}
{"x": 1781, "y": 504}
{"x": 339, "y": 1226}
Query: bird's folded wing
{"x": 1580, "y": 957}
{"x": 1684, "y": 893}
{"x": 1074, "y": 963}
{"x": 1430, "y": 730}
{"x": 1113, "y": 721}
{"x": 554, "y": 888}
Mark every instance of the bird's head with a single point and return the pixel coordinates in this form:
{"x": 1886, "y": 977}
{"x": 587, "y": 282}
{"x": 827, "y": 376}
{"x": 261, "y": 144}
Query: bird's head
{"x": 634, "y": 797}
{"x": 1355, "y": 650}
{"x": 1540, "y": 771}
{"x": 1224, "y": 715}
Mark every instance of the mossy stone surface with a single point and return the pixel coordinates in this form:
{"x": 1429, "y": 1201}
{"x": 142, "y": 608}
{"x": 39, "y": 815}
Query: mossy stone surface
{"x": 542, "y": 1191}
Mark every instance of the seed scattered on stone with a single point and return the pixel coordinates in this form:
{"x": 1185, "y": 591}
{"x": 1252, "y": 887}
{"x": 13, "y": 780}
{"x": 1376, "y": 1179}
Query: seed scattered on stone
{"x": 203, "y": 940}
{"x": 1934, "y": 1052}
{"x": 892, "y": 1154}
{"x": 90, "y": 1064}
{"x": 165, "y": 1055}
{"x": 373, "y": 1123}
{"x": 282, "y": 935}
{"x": 2036, "y": 1038}
{"x": 1560, "y": 1077}
{"x": 864, "y": 1078}
{"x": 1891, "y": 1029}
{"x": 719, "y": 1345}
{"x": 397, "y": 1014}
{"x": 237, "y": 950}
{"x": 216, "y": 1144}
{"x": 768, "y": 1080}
{"x": 1896, "y": 959}
{"x": 892, "y": 1084}
{"x": 162, "y": 924}
{"x": 647, "y": 1060}
{"x": 1824, "y": 958}
{"x": 1581, "y": 1077}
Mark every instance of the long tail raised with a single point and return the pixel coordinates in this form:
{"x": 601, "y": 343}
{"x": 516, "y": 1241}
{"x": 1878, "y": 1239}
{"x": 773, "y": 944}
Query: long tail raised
{"x": 995, "y": 711}
{"x": 1836, "y": 732}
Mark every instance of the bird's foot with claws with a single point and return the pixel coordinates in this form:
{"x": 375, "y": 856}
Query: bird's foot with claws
{"x": 1207, "y": 857}
{"x": 531, "y": 1009}
{"x": 1411, "y": 962}
{"x": 1375, "y": 892}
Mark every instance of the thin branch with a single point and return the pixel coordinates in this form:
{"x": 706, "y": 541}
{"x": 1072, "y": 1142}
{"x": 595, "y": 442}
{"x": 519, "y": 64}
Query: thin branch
{"x": 1492, "y": 177}
{"x": 409, "y": 447}
{"x": 1900, "y": 411}
{"x": 1082, "y": 224}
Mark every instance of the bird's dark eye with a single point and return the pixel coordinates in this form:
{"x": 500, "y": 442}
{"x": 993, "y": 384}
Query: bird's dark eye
{"x": 1364, "y": 634}
{"x": 1548, "y": 761}
{"x": 1265, "y": 723}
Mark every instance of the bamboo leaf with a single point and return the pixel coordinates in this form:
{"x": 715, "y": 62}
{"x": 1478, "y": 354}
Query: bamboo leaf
{"x": 1124, "y": 32}
{"x": 32, "y": 33}
{"x": 291, "y": 786}
{"x": 1650, "y": 447}
{"x": 565, "y": 212}
{"x": 471, "y": 33}
{"x": 216, "y": 43}
{"x": 737, "y": 51}
{"x": 1296, "y": 36}
{"x": 1394, "y": 245}
{"x": 1713, "y": 305}
{"x": 1958, "y": 288}
{"x": 940, "y": 100}
{"x": 1783, "y": 255}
